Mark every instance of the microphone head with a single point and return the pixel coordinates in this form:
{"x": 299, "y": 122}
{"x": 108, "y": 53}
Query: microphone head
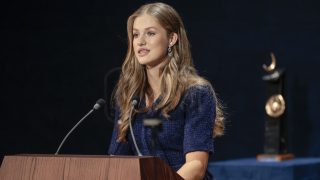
{"x": 99, "y": 104}
{"x": 135, "y": 101}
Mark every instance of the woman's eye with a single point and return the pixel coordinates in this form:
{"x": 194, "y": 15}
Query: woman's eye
{"x": 135, "y": 35}
{"x": 151, "y": 33}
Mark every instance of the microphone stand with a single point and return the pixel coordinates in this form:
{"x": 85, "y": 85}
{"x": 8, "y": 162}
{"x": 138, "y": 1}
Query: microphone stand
{"x": 74, "y": 127}
{"x": 97, "y": 106}
{"x": 155, "y": 125}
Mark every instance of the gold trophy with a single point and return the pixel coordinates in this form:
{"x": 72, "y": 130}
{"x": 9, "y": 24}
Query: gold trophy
{"x": 275, "y": 135}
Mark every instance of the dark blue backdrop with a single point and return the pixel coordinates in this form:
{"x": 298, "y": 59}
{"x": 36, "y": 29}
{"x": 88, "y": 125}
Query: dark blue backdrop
{"x": 55, "y": 55}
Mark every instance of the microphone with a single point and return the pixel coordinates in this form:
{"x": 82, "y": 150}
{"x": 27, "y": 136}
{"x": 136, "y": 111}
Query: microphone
{"x": 134, "y": 104}
{"x": 97, "y": 106}
{"x": 135, "y": 101}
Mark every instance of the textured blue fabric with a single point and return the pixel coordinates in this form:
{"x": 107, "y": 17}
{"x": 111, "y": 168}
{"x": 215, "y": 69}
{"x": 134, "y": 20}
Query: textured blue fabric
{"x": 189, "y": 128}
{"x": 251, "y": 169}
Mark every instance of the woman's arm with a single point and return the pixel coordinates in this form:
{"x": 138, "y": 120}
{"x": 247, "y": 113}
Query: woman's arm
{"x": 195, "y": 166}
{"x": 198, "y": 131}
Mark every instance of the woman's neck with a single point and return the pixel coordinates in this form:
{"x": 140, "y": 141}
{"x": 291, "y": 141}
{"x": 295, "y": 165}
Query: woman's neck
{"x": 153, "y": 75}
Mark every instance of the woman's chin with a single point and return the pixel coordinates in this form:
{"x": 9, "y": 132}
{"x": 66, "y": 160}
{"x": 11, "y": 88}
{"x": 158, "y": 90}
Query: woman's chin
{"x": 150, "y": 63}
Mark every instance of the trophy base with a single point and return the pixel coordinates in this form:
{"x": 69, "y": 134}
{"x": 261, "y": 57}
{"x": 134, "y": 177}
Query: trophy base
{"x": 274, "y": 157}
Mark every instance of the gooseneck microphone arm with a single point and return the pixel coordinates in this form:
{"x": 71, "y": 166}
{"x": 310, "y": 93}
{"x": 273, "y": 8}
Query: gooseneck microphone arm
{"x": 97, "y": 106}
{"x": 134, "y": 104}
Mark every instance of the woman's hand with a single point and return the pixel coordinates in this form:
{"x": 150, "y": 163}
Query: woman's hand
{"x": 195, "y": 166}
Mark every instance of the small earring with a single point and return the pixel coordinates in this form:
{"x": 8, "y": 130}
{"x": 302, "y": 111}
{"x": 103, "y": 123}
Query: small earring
{"x": 170, "y": 51}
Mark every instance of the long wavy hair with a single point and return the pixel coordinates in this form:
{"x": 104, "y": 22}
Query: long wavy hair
{"x": 177, "y": 74}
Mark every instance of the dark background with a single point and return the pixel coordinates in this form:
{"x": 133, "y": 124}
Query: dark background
{"x": 55, "y": 54}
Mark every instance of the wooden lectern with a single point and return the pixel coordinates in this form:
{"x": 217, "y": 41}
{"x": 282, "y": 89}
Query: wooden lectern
{"x": 84, "y": 167}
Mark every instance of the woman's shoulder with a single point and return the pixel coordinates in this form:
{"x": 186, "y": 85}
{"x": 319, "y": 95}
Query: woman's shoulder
{"x": 196, "y": 92}
{"x": 200, "y": 88}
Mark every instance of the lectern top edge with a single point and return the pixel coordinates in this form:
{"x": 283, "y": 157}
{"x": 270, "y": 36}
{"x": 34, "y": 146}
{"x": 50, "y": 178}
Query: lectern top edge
{"x": 82, "y": 156}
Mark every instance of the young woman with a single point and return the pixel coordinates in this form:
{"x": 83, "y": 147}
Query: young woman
{"x": 158, "y": 69}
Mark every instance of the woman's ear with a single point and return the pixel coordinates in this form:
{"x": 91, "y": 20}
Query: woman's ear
{"x": 173, "y": 38}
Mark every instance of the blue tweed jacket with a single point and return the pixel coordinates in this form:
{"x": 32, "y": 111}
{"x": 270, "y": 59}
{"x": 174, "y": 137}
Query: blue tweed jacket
{"x": 189, "y": 128}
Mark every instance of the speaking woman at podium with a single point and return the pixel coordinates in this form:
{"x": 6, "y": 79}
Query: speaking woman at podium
{"x": 158, "y": 80}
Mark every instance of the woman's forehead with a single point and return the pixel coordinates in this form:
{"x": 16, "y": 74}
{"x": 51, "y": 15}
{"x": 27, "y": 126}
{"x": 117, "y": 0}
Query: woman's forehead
{"x": 146, "y": 21}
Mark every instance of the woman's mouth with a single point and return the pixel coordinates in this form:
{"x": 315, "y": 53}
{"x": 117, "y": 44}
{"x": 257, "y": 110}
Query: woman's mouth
{"x": 143, "y": 52}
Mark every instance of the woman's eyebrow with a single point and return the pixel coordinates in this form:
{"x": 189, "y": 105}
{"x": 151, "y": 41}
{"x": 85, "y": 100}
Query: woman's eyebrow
{"x": 147, "y": 28}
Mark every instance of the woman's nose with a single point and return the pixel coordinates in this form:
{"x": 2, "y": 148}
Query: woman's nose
{"x": 141, "y": 41}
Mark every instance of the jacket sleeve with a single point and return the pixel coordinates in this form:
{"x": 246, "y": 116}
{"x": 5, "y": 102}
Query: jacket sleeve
{"x": 200, "y": 116}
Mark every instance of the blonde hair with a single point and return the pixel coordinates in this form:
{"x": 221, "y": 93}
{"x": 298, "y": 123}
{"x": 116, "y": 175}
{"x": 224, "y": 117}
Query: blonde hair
{"x": 177, "y": 74}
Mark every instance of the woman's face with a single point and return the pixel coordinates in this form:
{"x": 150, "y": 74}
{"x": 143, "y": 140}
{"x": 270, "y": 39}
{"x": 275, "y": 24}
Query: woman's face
{"x": 150, "y": 41}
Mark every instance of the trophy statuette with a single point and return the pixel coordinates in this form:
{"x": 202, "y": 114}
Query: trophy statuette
{"x": 275, "y": 135}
